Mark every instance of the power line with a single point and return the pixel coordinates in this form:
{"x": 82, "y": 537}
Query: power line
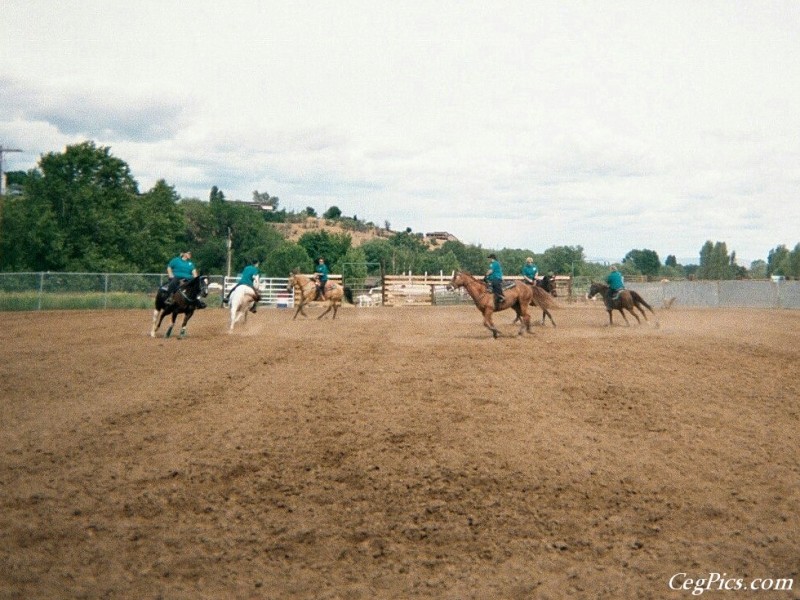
{"x": 2, "y": 176}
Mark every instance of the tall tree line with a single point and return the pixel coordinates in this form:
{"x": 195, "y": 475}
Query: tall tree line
{"x": 81, "y": 210}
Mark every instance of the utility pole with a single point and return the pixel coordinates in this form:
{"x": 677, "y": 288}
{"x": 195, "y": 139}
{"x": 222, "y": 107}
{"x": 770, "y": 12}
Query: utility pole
{"x": 2, "y": 175}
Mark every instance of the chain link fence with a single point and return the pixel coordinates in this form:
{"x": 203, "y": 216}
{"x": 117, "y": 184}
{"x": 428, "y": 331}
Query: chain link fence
{"x": 52, "y": 291}
{"x": 64, "y": 291}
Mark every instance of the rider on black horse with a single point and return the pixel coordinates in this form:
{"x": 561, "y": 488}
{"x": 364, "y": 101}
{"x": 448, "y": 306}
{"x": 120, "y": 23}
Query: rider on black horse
{"x": 180, "y": 269}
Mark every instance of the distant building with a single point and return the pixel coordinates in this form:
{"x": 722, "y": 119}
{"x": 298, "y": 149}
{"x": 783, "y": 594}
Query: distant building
{"x": 256, "y": 205}
{"x": 441, "y": 236}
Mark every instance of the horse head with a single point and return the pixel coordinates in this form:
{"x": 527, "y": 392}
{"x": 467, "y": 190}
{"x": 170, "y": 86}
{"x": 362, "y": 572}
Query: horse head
{"x": 595, "y": 288}
{"x": 459, "y": 279}
{"x": 203, "y": 284}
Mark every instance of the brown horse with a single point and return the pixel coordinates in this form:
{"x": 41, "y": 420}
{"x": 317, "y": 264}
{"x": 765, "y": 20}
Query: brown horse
{"x": 305, "y": 291}
{"x": 517, "y": 297}
{"x": 624, "y": 300}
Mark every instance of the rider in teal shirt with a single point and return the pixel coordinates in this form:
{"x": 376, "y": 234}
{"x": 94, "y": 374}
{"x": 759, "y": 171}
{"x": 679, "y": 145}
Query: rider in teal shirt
{"x": 495, "y": 278}
{"x": 248, "y": 277}
{"x": 529, "y": 271}
{"x": 322, "y": 273}
{"x": 615, "y": 281}
{"x": 180, "y": 269}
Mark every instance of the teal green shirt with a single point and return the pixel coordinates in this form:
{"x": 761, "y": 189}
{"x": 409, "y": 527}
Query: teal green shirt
{"x": 529, "y": 271}
{"x": 615, "y": 281}
{"x": 249, "y": 273}
{"x": 182, "y": 269}
{"x": 495, "y": 271}
{"x": 323, "y": 272}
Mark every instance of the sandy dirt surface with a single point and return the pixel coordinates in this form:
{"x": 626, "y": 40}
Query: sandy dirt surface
{"x": 397, "y": 453}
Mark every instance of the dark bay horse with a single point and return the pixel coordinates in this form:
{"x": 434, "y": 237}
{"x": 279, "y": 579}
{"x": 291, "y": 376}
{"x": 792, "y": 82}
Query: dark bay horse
{"x": 624, "y": 300}
{"x": 543, "y": 298}
{"x": 184, "y": 301}
{"x": 517, "y": 297}
{"x": 305, "y": 291}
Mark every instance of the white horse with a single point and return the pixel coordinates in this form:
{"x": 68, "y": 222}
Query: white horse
{"x": 242, "y": 299}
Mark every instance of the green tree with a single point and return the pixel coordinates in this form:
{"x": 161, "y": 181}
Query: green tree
{"x": 715, "y": 262}
{"x": 645, "y": 261}
{"x": 778, "y": 262}
{"x": 90, "y": 193}
{"x": 285, "y": 258}
{"x": 758, "y": 269}
{"x": 332, "y": 213}
{"x": 30, "y": 237}
{"x": 563, "y": 260}
{"x": 671, "y": 261}
{"x": 794, "y": 262}
{"x": 157, "y": 228}
{"x": 353, "y": 265}
{"x": 323, "y": 244}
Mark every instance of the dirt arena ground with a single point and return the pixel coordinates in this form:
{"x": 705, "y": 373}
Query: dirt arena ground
{"x": 398, "y": 453}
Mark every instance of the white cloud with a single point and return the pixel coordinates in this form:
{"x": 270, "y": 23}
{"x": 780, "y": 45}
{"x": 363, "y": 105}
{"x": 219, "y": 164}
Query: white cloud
{"x": 610, "y": 125}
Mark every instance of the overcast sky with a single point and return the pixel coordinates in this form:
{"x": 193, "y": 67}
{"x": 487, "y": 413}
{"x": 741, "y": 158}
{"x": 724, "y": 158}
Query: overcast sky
{"x": 613, "y": 125}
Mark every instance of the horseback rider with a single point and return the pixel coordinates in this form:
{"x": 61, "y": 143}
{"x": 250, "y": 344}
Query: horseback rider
{"x": 616, "y": 283}
{"x": 529, "y": 271}
{"x": 321, "y": 272}
{"x": 249, "y": 277}
{"x": 494, "y": 276}
{"x": 180, "y": 270}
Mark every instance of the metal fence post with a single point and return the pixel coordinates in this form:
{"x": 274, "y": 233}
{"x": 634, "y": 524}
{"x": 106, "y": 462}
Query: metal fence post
{"x": 41, "y": 291}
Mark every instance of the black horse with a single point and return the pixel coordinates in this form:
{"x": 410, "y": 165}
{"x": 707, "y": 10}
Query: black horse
{"x": 548, "y": 284}
{"x": 184, "y": 301}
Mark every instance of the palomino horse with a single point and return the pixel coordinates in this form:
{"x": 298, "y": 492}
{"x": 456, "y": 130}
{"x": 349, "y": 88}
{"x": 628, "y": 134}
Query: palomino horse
{"x": 184, "y": 301}
{"x": 624, "y": 300}
{"x": 243, "y": 299}
{"x": 517, "y": 297}
{"x": 305, "y": 291}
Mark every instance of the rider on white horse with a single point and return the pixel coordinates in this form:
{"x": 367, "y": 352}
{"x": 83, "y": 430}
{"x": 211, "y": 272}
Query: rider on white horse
{"x": 249, "y": 277}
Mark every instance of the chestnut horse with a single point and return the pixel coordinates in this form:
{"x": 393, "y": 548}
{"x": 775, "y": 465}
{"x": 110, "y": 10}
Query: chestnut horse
{"x": 305, "y": 291}
{"x": 517, "y": 297}
{"x": 624, "y": 300}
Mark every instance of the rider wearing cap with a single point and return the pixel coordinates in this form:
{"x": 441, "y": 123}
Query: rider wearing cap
{"x": 494, "y": 276}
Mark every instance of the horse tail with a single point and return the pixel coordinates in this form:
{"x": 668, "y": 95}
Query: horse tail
{"x": 348, "y": 295}
{"x": 637, "y": 299}
{"x": 543, "y": 299}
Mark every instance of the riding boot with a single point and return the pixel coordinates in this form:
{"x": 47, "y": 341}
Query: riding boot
{"x": 199, "y": 303}
{"x": 498, "y": 301}
{"x": 253, "y": 308}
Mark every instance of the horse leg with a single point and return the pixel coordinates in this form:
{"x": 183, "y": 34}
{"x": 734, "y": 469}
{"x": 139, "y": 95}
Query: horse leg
{"x": 546, "y": 313}
{"x": 156, "y": 323}
{"x": 627, "y": 323}
{"x": 171, "y": 325}
{"x": 299, "y": 310}
{"x": 487, "y": 321}
{"x": 327, "y": 310}
{"x": 610, "y": 318}
{"x": 638, "y": 320}
{"x": 186, "y": 318}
